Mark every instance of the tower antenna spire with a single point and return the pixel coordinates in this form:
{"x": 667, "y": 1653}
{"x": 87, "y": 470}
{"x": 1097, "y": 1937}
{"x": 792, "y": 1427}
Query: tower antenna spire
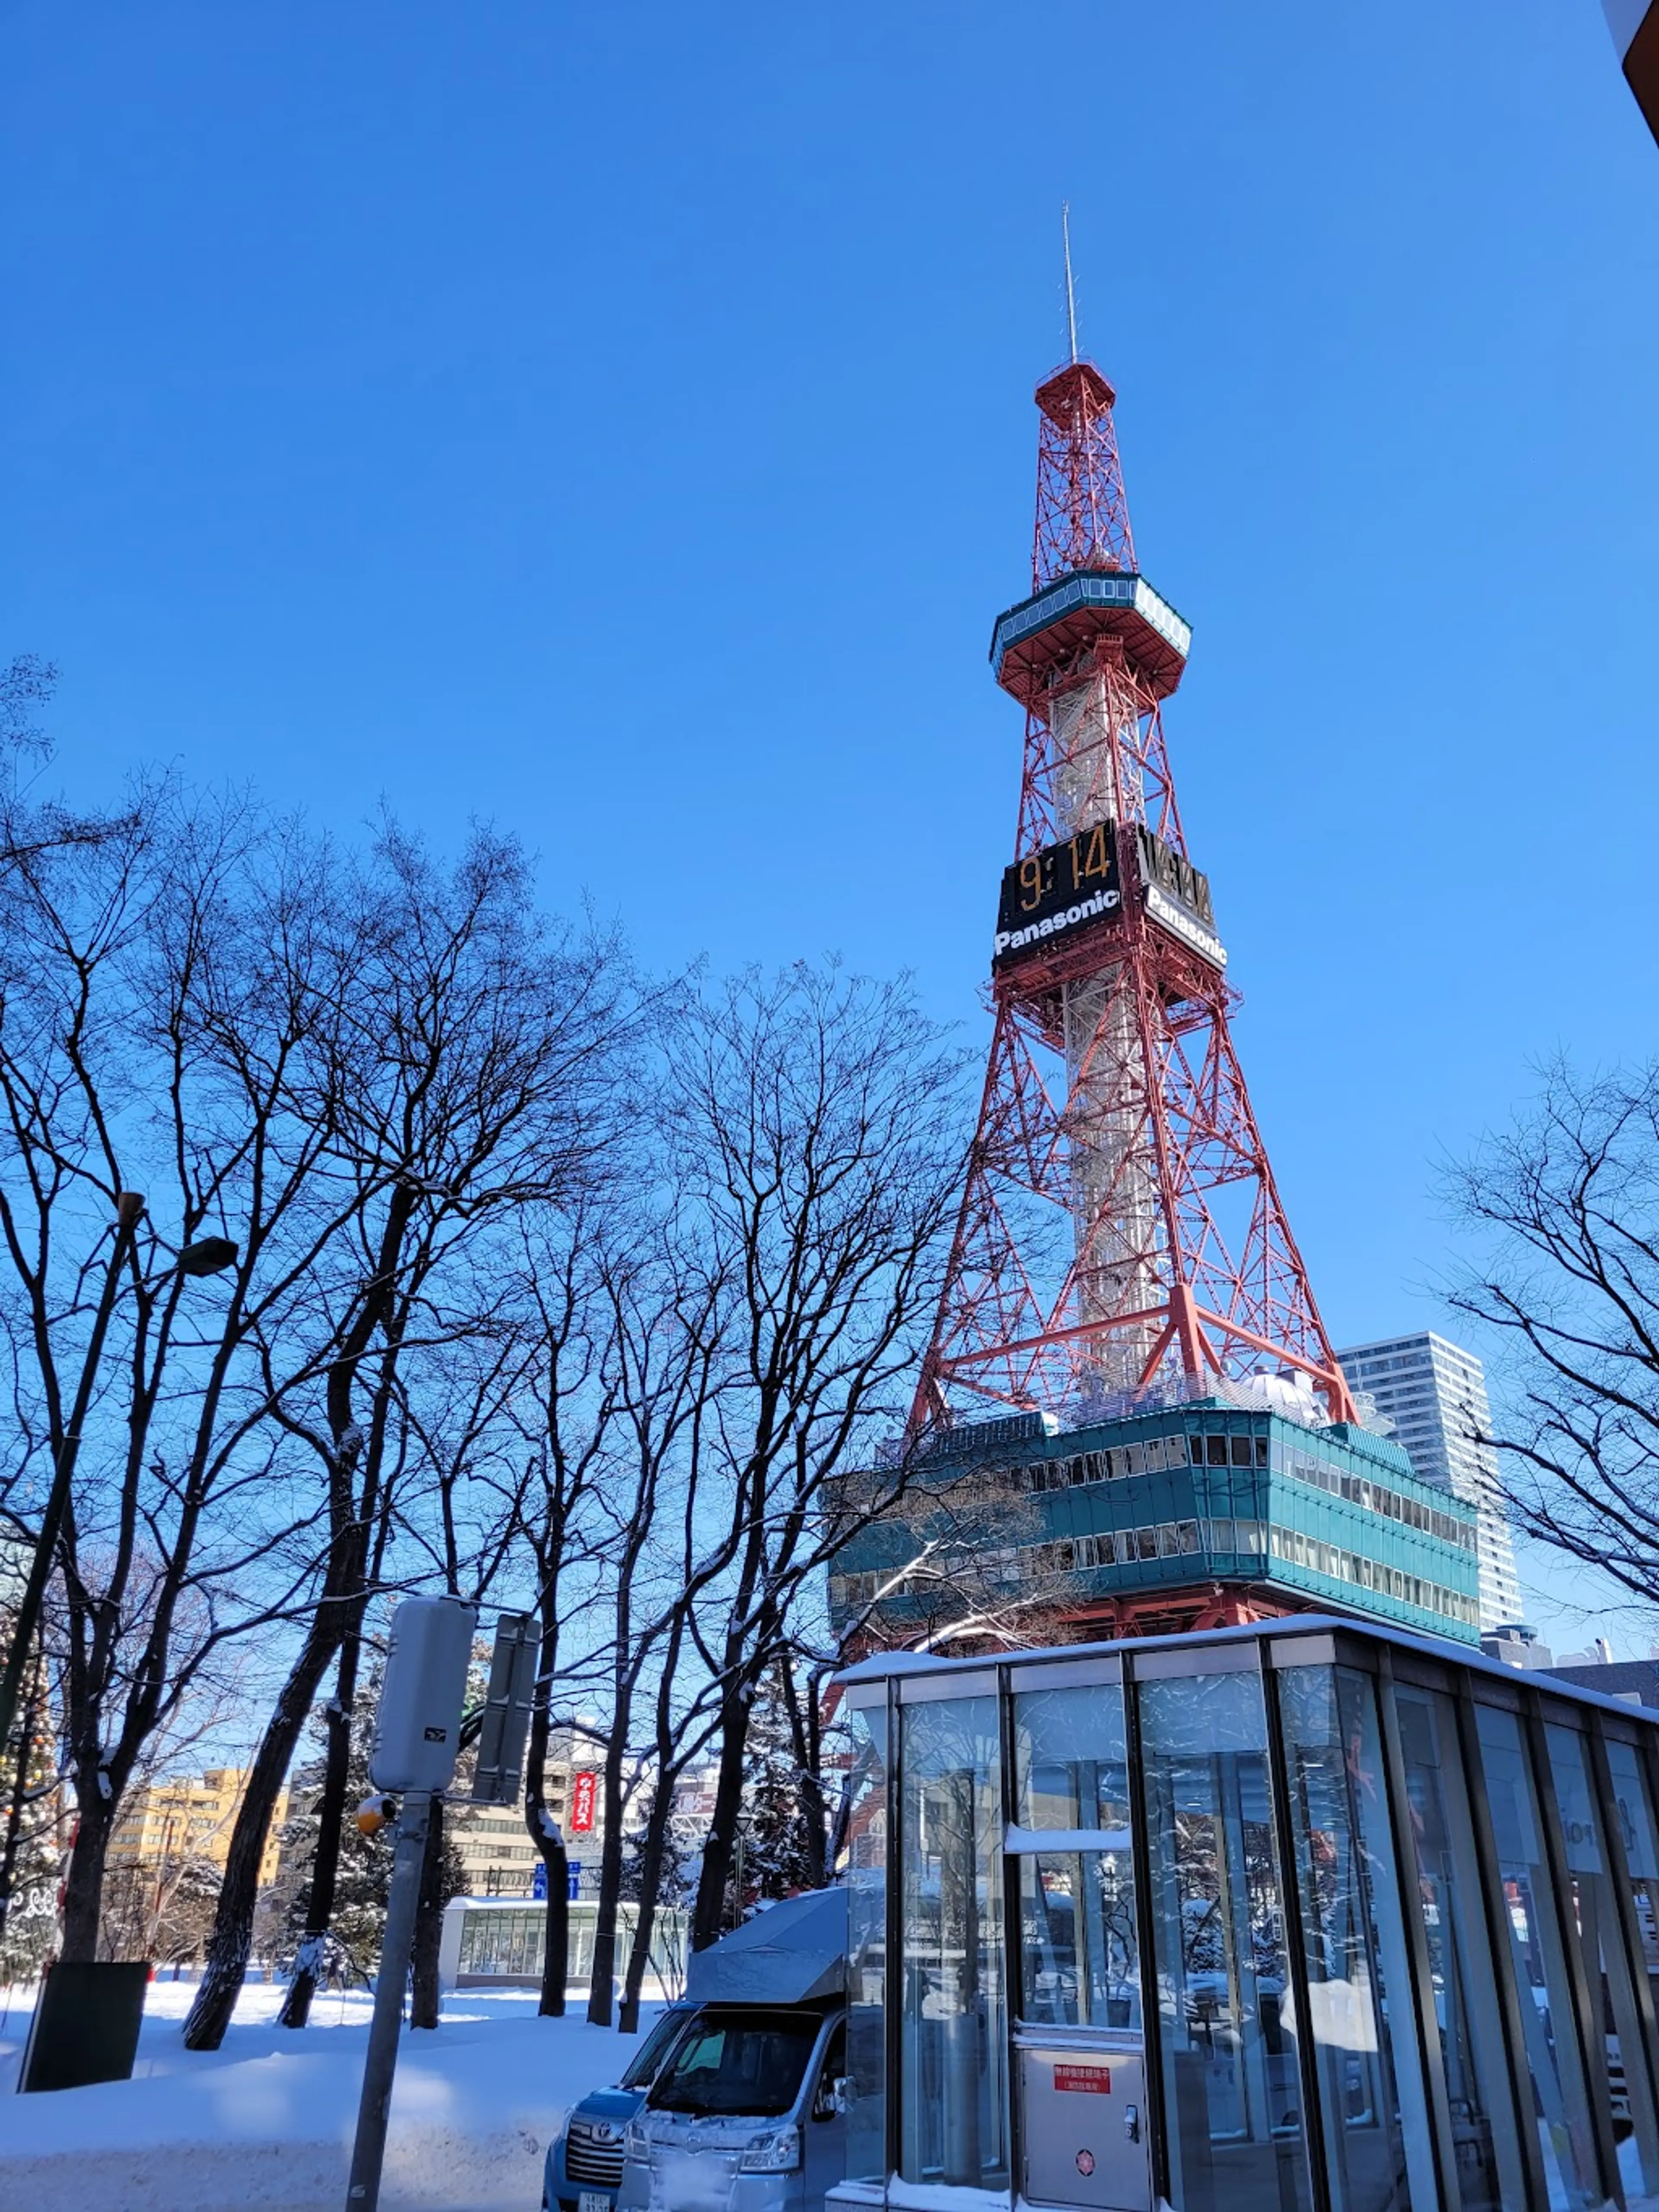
{"x": 1071, "y": 296}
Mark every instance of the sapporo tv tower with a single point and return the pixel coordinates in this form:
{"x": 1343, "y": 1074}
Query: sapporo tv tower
{"x": 1127, "y": 1348}
{"x": 1121, "y": 1240}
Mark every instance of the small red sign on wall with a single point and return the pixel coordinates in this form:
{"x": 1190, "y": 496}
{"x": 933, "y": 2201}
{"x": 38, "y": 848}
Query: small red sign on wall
{"x": 1092, "y": 2081}
{"x": 581, "y": 1804}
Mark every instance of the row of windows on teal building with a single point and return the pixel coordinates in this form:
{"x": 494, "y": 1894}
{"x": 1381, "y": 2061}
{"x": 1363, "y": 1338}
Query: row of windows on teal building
{"x": 1333, "y": 1514}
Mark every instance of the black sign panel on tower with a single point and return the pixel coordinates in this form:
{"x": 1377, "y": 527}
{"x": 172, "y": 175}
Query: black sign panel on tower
{"x": 1172, "y": 872}
{"x": 1062, "y": 888}
{"x": 1177, "y": 895}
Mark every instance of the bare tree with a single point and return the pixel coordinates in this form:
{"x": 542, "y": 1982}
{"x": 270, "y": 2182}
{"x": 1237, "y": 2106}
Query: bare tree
{"x": 126, "y": 962}
{"x": 474, "y": 1073}
{"x": 467, "y": 1502}
{"x": 564, "y": 1417}
{"x": 668, "y": 1316}
{"x": 1562, "y": 1208}
{"x": 814, "y": 1123}
{"x": 30, "y": 823}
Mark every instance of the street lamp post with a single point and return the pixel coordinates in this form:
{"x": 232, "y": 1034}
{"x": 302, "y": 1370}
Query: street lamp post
{"x": 206, "y": 1256}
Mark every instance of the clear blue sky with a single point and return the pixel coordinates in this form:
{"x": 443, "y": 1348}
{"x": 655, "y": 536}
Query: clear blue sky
{"x": 617, "y": 422}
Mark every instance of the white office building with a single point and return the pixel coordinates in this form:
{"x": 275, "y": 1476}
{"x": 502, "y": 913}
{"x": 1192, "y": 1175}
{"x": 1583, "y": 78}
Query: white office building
{"x": 1435, "y": 1394}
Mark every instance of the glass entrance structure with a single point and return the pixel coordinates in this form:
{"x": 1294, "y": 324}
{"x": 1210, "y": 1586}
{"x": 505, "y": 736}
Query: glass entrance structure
{"x": 1304, "y": 1916}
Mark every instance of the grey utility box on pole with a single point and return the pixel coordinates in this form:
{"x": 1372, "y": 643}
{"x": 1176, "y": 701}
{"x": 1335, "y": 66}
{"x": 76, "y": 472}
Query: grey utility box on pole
{"x": 417, "y": 1733}
{"x": 498, "y": 1777}
{"x": 417, "y": 1729}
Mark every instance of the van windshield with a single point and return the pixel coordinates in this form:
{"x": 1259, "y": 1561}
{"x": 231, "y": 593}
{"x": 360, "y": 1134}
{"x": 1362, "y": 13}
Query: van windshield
{"x": 739, "y": 2061}
{"x": 642, "y": 2067}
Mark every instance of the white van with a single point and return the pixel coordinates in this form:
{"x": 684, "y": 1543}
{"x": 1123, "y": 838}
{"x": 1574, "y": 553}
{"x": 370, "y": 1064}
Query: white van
{"x": 749, "y": 2113}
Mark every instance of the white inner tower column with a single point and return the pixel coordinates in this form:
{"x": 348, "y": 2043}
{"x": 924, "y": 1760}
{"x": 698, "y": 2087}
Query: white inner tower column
{"x": 1114, "y": 1188}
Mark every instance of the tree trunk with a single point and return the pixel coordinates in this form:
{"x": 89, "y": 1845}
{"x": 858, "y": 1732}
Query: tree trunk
{"x": 651, "y": 1862}
{"x": 325, "y": 1860}
{"x": 710, "y": 1907}
{"x": 83, "y": 1887}
{"x": 805, "y": 1744}
{"x": 599, "y": 1990}
{"x": 424, "y": 2000}
{"x": 233, "y": 1922}
{"x": 546, "y": 1837}
{"x": 555, "y": 1960}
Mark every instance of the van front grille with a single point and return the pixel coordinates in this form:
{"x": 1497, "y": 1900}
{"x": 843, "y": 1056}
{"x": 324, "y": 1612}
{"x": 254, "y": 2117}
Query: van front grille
{"x": 594, "y": 2165}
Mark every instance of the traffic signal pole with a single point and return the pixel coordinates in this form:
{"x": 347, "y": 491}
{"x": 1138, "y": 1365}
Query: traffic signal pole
{"x": 375, "y": 2107}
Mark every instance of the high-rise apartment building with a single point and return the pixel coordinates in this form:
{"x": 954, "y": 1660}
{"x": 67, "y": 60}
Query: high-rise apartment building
{"x": 1435, "y": 1394}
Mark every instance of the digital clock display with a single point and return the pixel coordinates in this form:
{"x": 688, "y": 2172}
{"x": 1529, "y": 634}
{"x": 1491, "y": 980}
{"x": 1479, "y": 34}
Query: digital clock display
{"x": 1060, "y": 889}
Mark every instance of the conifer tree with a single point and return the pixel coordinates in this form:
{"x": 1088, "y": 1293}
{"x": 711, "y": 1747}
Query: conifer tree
{"x": 29, "y": 1813}
{"x": 775, "y": 1858}
{"x": 350, "y": 1952}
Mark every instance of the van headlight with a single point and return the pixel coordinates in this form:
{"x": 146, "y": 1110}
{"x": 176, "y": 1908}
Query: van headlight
{"x": 636, "y": 2146}
{"x": 778, "y": 2151}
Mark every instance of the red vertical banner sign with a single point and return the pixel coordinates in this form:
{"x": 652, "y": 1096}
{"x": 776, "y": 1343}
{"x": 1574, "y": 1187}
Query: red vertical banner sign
{"x": 582, "y": 1790}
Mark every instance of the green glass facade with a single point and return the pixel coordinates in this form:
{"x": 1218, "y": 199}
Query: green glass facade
{"x": 1327, "y": 1518}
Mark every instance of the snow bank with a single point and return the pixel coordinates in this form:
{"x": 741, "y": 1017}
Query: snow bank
{"x": 266, "y": 2121}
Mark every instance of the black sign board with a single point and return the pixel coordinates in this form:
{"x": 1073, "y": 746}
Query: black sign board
{"x": 1172, "y": 872}
{"x": 498, "y": 1777}
{"x": 1176, "y": 895}
{"x": 1062, "y": 888}
{"x": 85, "y": 2023}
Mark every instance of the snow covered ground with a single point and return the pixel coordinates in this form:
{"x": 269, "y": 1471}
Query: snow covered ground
{"x": 266, "y": 2121}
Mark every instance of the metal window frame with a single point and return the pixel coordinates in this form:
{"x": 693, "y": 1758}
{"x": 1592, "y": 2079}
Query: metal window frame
{"x": 939, "y": 1689}
{"x": 1014, "y": 1961}
{"x": 1314, "y": 2151}
{"x": 892, "y": 1979}
{"x": 1624, "y": 1888}
{"x": 1586, "y": 2008}
{"x": 1140, "y": 1861}
{"x": 1499, "y": 1941}
{"x": 1425, "y": 2019}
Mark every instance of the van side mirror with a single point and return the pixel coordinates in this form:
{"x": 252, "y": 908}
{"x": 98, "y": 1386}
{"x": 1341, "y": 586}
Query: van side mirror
{"x": 843, "y": 2094}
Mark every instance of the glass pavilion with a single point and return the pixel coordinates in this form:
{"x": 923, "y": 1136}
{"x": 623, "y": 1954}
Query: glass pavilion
{"x": 1306, "y": 1916}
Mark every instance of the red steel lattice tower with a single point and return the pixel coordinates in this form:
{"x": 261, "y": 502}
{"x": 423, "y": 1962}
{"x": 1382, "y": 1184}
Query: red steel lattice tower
{"x": 1121, "y": 1240}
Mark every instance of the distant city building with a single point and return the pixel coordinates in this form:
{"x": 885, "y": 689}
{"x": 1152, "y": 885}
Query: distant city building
{"x": 497, "y": 1857}
{"x": 493, "y": 1845}
{"x": 1635, "y": 27}
{"x": 163, "y": 1822}
{"x": 1516, "y": 1645}
{"x": 1632, "y": 1681}
{"x": 1435, "y": 1394}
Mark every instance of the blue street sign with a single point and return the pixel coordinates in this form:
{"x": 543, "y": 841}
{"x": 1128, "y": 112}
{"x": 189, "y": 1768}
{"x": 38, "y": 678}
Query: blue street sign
{"x": 575, "y": 1869}
{"x": 538, "y": 1882}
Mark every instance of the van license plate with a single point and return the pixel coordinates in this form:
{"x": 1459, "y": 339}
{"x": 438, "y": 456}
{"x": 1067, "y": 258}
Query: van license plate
{"x": 593, "y": 2200}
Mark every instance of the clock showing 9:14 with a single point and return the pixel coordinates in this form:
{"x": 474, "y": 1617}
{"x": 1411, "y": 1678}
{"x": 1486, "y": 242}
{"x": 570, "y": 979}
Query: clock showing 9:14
{"x": 1056, "y": 888}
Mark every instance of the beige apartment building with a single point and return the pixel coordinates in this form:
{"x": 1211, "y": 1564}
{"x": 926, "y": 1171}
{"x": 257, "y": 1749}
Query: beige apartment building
{"x": 166, "y": 1821}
